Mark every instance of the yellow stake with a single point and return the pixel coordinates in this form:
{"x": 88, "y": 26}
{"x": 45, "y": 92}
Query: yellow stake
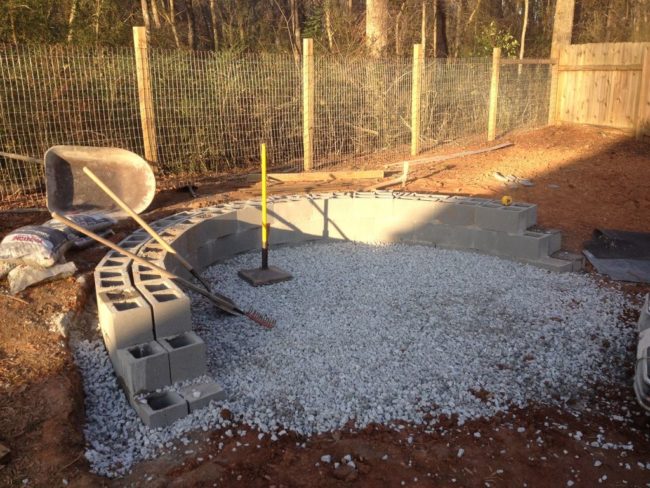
{"x": 264, "y": 221}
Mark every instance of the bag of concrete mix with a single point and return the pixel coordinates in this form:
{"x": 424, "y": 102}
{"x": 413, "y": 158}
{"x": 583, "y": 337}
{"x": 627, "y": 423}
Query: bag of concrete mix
{"x": 44, "y": 245}
{"x": 34, "y": 245}
{"x": 95, "y": 221}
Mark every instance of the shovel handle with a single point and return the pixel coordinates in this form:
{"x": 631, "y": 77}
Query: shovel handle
{"x": 124, "y": 206}
{"x": 221, "y": 303}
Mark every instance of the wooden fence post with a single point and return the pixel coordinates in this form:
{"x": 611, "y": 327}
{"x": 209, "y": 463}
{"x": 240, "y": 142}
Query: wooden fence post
{"x": 416, "y": 95}
{"x": 145, "y": 93}
{"x": 494, "y": 94}
{"x": 643, "y": 107}
{"x": 308, "y": 103}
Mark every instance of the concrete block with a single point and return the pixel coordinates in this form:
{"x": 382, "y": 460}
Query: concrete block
{"x": 201, "y": 394}
{"x": 114, "y": 262}
{"x": 555, "y": 240}
{"x": 455, "y": 212}
{"x": 641, "y": 389}
{"x": 125, "y": 317}
{"x": 186, "y": 356}
{"x": 222, "y": 225}
{"x": 144, "y": 274}
{"x": 513, "y": 219}
{"x": 161, "y": 409}
{"x": 445, "y": 236}
{"x": 529, "y": 245}
{"x": 552, "y": 264}
{"x": 144, "y": 367}
{"x": 170, "y": 307}
{"x": 643, "y": 358}
{"x": 644, "y": 316}
{"x": 250, "y": 217}
{"x": 111, "y": 279}
{"x": 577, "y": 260}
{"x": 247, "y": 240}
{"x": 112, "y": 353}
{"x": 134, "y": 241}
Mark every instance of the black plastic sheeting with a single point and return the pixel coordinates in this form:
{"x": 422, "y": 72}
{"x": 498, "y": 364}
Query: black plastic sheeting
{"x": 621, "y": 255}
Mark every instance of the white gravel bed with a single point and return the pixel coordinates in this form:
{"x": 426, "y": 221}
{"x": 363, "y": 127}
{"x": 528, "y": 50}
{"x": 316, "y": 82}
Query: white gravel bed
{"x": 378, "y": 334}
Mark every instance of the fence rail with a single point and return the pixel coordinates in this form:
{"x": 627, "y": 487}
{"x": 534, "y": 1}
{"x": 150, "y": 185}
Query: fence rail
{"x": 193, "y": 114}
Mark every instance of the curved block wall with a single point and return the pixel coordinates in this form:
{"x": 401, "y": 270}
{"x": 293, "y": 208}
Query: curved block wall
{"x": 145, "y": 319}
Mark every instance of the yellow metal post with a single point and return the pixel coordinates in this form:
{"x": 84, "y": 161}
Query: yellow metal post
{"x": 265, "y": 228}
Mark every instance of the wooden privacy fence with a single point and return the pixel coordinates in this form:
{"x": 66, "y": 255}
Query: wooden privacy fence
{"x": 604, "y": 84}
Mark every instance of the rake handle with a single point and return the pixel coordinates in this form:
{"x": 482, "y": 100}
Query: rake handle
{"x": 124, "y": 206}
{"x": 221, "y": 303}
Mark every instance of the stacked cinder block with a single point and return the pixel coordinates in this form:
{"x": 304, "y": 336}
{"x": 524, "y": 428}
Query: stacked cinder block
{"x": 642, "y": 373}
{"x": 146, "y": 320}
{"x": 147, "y": 329}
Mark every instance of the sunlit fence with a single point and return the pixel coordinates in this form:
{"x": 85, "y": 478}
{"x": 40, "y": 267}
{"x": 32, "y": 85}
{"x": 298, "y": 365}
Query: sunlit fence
{"x": 209, "y": 112}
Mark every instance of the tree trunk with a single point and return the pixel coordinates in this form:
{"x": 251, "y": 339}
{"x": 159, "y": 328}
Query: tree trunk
{"x": 96, "y": 18}
{"x": 295, "y": 28}
{"x": 328, "y": 24}
{"x": 71, "y": 17}
{"x": 473, "y": 14}
{"x": 443, "y": 42}
{"x": 398, "y": 24}
{"x": 213, "y": 21}
{"x": 145, "y": 14}
{"x": 434, "y": 37}
{"x": 191, "y": 24}
{"x": 458, "y": 30}
{"x": 154, "y": 14}
{"x": 423, "y": 28}
{"x": 376, "y": 26}
{"x": 12, "y": 23}
{"x": 562, "y": 25}
{"x": 524, "y": 26}
{"x": 172, "y": 23}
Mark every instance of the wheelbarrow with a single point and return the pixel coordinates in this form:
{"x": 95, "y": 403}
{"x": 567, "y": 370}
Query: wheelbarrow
{"x": 69, "y": 190}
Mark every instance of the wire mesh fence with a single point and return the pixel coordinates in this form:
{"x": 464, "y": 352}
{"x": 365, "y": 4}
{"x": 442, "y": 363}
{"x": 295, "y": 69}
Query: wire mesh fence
{"x": 57, "y": 95}
{"x": 211, "y": 111}
{"x": 524, "y": 94}
{"x": 455, "y": 100}
{"x": 362, "y": 108}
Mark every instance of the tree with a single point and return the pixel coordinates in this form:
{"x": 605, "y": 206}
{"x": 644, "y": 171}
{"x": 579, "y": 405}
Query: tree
{"x": 376, "y": 27}
{"x": 524, "y": 25}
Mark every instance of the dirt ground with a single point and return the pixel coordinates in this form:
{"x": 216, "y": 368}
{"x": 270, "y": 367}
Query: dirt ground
{"x": 583, "y": 178}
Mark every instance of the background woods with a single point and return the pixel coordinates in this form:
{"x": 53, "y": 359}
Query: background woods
{"x": 447, "y": 28}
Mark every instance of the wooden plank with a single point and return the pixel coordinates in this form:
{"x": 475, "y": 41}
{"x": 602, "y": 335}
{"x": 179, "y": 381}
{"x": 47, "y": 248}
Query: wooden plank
{"x": 322, "y": 175}
{"x": 528, "y": 61}
{"x": 145, "y": 94}
{"x": 642, "y": 123}
{"x": 446, "y": 157}
{"x": 494, "y": 94}
{"x": 308, "y": 103}
{"x": 416, "y": 95}
{"x": 602, "y": 67}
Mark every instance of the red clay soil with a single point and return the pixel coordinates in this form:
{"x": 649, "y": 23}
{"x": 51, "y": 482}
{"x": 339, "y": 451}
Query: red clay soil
{"x": 583, "y": 178}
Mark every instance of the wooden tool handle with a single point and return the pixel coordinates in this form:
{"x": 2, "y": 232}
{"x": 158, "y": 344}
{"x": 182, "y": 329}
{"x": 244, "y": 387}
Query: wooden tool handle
{"x": 123, "y": 205}
{"x": 224, "y": 305}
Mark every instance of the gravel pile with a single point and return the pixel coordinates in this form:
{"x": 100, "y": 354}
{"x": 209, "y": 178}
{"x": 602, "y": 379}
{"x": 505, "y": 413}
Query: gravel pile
{"x": 378, "y": 334}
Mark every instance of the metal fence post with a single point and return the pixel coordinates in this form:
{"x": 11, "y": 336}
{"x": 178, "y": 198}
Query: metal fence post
{"x": 416, "y": 94}
{"x": 494, "y": 94}
{"x": 308, "y": 103}
{"x": 145, "y": 93}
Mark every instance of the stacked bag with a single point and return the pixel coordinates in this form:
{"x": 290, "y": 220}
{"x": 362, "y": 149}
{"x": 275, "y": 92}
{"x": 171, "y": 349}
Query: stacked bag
{"x": 35, "y": 253}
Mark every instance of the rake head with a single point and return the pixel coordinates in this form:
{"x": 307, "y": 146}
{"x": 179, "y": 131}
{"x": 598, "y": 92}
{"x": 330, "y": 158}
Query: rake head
{"x": 258, "y": 318}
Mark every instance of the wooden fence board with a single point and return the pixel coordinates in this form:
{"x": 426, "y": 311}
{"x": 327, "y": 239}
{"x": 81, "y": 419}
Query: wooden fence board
{"x": 600, "y": 84}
